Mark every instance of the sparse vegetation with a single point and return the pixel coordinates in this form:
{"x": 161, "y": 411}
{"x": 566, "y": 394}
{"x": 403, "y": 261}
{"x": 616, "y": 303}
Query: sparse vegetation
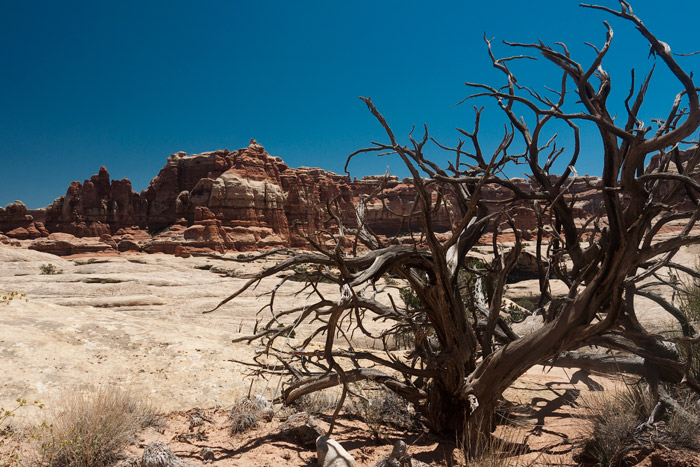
{"x": 500, "y": 452}
{"x": 9, "y": 455}
{"x": 9, "y": 297}
{"x": 317, "y": 402}
{"x": 529, "y": 302}
{"x": 689, "y": 298}
{"x": 246, "y": 414}
{"x": 409, "y": 298}
{"x": 383, "y": 408}
{"x": 614, "y": 418}
{"x": 618, "y": 426}
{"x": 49, "y": 269}
{"x": 90, "y": 429}
{"x": 6, "y": 414}
{"x": 390, "y": 281}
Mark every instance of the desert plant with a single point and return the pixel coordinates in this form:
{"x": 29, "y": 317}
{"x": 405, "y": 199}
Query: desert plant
{"x": 49, "y": 269}
{"x": 382, "y": 408}
{"x": 89, "y": 429}
{"x": 390, "y": 281}
{"x": 318, "y": 402}
{"x": 619, "y": 422}
{"x": 246, "y": 414}
{"x": 11, "y": 439}
{"x": 8, "y": 297}
{"x": 529, "y": 302}
{"x": 614, "y": 418}
{"x": 409, "y": 298}
{"x": 682, "y": 424}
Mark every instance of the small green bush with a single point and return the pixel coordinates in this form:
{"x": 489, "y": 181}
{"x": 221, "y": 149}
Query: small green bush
{"x": 529, "y": 302}
{"x": 410, "y": 299}
{"x": 49, "y": 269}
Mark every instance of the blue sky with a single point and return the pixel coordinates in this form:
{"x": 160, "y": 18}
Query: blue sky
{"x": 124, "y": 84}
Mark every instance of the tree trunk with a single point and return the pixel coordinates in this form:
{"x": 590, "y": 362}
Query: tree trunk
{"x": 447, "y": 412}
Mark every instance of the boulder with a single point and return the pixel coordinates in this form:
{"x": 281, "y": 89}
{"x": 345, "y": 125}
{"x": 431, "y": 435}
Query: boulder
{"x": 20, "y": 233}
{"x": 5, "y": 240}
{"x": 128, "y": 245}
{"x": 331, "y": 454}
{"x": 63, "y": 244}
{"x": 108, "y": 240}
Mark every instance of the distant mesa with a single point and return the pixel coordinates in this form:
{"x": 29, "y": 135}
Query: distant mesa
{"x": 242, "y": 200}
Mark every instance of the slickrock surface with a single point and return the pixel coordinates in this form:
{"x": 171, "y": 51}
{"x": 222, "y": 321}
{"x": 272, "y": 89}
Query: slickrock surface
{"x": 136, "y": 320}
{"x": 133, "y": 320}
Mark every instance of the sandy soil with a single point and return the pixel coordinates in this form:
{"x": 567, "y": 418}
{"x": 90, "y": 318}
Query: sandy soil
{"x": 135, "y": 321}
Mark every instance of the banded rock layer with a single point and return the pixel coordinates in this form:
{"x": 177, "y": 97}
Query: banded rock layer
{"x": 241, "y": 200}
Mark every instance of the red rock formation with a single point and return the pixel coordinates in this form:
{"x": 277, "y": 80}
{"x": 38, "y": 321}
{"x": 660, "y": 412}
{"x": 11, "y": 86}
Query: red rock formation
{"x": 96, "y": 207}
{"x": 17, "y": 222}
{"x": 64, "y": 244}
{"x": 236, "y": 200}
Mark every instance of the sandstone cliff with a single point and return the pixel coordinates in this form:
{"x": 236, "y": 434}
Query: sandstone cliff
{"x": 223, "y": 200}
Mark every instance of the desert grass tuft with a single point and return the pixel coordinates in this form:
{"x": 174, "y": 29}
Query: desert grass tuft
{"x": 503, "y": 448}
{"x": 91, "y": 428}
{"x": 614, "y": 418}
{"x": 246, "y": 414}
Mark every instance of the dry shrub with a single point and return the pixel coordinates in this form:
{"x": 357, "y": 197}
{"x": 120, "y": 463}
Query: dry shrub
{"x": 246, "y": 413}
{"x": 90, "y": 429}
{"x": 50, "y": 269}
{"x": 383, "y": 408}
{"x": 502, "y": 448}
{"x": 682, "y": 428}
{"x": 689, "y": 301}
{"x": 317, "y": 402}
{"x": 618, "y": 425}
{"x": 614, "y": 419}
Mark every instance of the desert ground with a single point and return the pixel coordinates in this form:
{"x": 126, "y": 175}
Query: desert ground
{"x": 136, "y": 321}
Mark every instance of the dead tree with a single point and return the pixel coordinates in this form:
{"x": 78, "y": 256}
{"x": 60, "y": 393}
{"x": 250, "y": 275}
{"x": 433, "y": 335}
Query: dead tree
{"x": 464, "y": 352}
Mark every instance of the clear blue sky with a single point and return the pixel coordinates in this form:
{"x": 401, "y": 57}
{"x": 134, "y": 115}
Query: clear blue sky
{"x": 124, "y": 84}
